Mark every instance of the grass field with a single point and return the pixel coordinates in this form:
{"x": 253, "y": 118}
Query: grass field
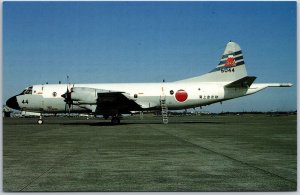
{"x": 195, "y": 153}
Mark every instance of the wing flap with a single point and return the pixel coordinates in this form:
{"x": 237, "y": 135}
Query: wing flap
{"x": 115, "y": 102}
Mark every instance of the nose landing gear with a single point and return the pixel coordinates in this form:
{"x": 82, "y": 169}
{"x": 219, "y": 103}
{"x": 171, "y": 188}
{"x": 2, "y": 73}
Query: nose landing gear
{"x": 40, "y": 121}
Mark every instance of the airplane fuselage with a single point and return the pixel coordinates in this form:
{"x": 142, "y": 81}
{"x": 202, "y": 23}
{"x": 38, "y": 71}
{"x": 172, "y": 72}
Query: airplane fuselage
{"x": 48, "y": 98}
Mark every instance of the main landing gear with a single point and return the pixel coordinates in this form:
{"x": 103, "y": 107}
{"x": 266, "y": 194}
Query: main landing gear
{"x": 115, "y": 120}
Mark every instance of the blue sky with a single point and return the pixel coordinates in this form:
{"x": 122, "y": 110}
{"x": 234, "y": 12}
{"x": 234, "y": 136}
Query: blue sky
{"x": 103, "y": 42}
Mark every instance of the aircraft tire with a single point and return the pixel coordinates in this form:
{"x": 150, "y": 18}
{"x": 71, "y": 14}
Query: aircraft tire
{"x": 115, "y": 120}
{"x": 40, "y": 122}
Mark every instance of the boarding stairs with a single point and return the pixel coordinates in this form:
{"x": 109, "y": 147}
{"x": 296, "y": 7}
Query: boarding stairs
{"x": 141, "y": 115}
{"x": 164, "y": 109}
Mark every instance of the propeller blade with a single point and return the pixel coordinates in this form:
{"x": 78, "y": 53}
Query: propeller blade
{"x": 68, "y": 99}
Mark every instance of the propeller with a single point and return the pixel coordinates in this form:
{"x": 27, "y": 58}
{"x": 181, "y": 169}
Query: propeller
{"x": 67, "y": 98}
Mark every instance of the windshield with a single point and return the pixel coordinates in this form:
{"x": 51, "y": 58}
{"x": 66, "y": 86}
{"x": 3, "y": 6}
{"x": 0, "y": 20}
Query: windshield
{"x": 27, "y": 91}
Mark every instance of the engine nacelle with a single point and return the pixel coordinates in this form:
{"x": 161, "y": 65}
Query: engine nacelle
{"x": 84, "y": 95}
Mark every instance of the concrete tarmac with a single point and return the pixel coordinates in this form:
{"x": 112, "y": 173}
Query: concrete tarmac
{"x": 191, "y": 153}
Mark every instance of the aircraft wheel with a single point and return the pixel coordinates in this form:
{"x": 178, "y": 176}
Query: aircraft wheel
{"x": 115, "y": 120}
{"x": 40, "y": 122}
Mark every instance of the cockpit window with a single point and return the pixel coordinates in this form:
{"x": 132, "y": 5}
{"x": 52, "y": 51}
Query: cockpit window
{"x": 27, "y": 91}
{"x": 23, "y": 92}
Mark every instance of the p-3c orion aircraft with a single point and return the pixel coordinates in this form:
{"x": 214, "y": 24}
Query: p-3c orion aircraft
{"x": 227, "y": 81}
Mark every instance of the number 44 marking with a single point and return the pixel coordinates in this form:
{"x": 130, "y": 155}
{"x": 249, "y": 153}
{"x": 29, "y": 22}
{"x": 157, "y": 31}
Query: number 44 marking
{"x": 25, "y": 102}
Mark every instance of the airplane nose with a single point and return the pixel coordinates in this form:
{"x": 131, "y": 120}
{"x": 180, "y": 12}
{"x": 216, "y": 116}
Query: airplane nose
{"x": 13, "y": 103}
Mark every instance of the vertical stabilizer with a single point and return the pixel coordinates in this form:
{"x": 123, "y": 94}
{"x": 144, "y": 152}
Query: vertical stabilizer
{"x": 230, "y": 68}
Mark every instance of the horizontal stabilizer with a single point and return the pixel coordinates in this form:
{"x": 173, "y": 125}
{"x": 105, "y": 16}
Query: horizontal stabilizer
{"x": 244, "y": 82}
{"x": 260, "y": 86}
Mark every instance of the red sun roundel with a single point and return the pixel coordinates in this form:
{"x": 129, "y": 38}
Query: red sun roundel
{"x": 230, "y": 61}
{"x": 181, "y": 95}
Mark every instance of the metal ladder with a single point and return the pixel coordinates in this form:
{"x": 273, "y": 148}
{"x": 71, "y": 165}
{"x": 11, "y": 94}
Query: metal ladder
{"x": 141, "y": 115}
{"x": 164, "y": 109}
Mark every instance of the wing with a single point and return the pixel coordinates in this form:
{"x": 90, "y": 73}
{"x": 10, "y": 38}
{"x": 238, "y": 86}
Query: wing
{"x": 111, "y": 103}
{"x": 105, "y": 101}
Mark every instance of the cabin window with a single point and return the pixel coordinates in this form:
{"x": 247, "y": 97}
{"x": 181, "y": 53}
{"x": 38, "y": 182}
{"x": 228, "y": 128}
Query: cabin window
{"x": 199, "y": 89}
{"x": 54, "y": 94}
{"x": 208, "y": 97}
{"x": 135, "y": 96}
{"x": 200, "y": 96}
{"x": 171, "y": 92}
{"x": 216, "y": 97}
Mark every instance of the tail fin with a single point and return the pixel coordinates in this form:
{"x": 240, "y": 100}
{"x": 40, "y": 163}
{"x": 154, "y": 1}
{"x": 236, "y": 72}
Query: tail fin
{"x": 231, "y": 67}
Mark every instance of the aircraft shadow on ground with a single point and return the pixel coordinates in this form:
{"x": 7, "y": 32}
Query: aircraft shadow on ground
{"x": 201, "y": 122}
{"x": 133, "y": 123}
{"x": 96, "y": 124}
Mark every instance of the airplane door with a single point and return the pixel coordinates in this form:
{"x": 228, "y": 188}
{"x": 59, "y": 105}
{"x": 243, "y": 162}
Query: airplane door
{"x": 38, "y": 91}
{"x": 162, "y": 95}
{"x": 42, "y": 100}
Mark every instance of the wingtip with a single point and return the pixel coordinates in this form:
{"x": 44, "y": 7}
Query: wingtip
{"x": 285, "y": 84}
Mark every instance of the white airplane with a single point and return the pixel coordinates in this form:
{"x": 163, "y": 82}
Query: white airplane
{"x": 227, "y": 81}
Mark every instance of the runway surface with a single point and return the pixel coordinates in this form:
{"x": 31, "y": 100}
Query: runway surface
{"x": 191, "y": 153}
